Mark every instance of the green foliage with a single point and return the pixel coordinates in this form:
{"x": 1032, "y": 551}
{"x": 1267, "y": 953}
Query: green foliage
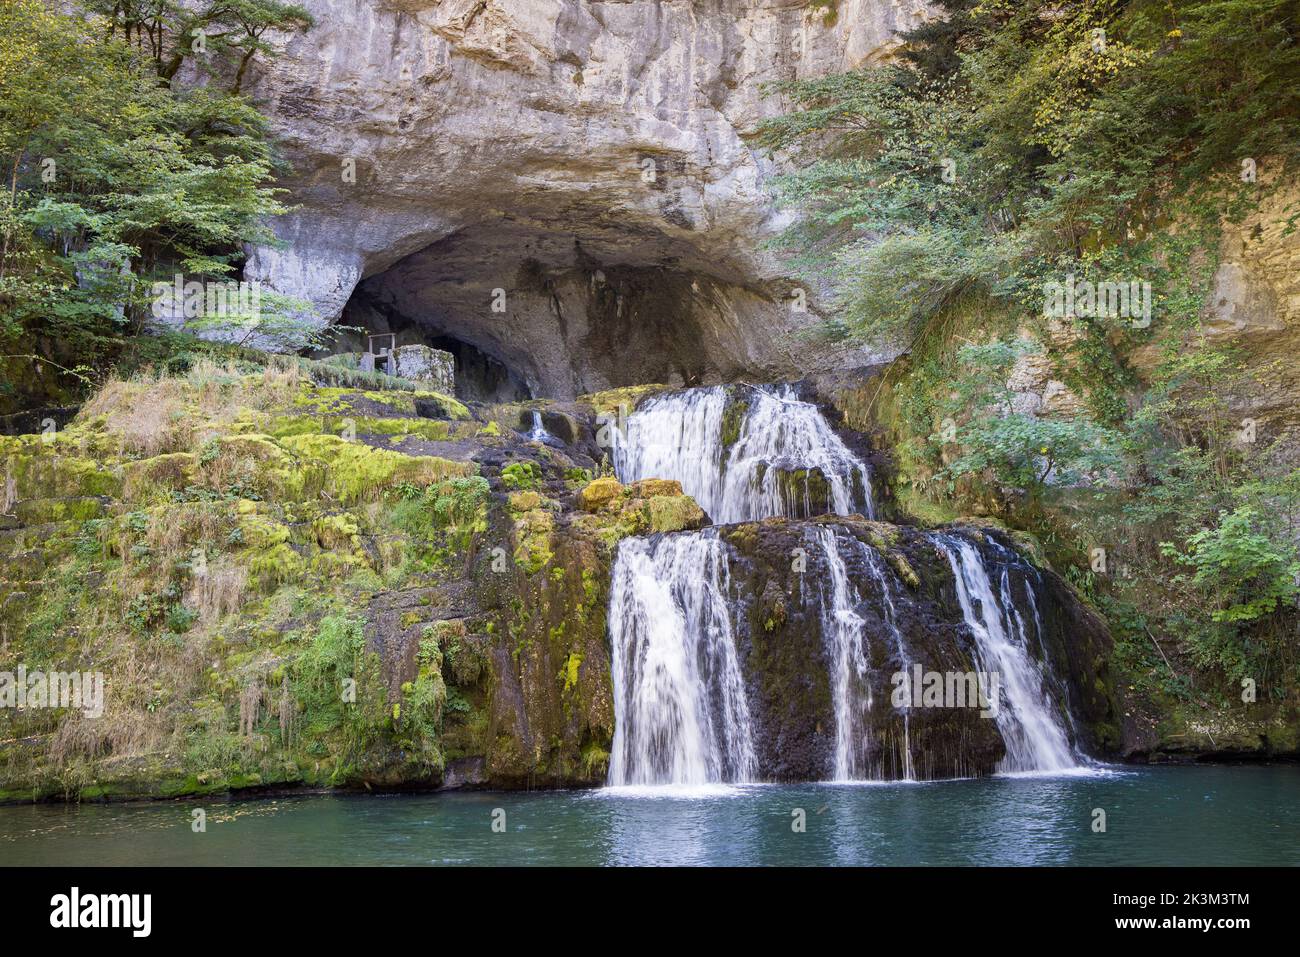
{"x": 230, "y": 31}
{"x": 417, "y": 718}
{"x": 1020, "y": 143}
{"x": 453, "y": 511}
{"x": 901, "y": 241}
{"x": 1209, "y": 531}
{"x": 1243, "y": 572}
{"x": 1019, "y": 139}
{"x": 1015, "y": 448}
{"x": 521, "y": 476}
{"x": 114, "y": 180}
{"x": 322, "y": 670}
{"x": 180, "y": 619}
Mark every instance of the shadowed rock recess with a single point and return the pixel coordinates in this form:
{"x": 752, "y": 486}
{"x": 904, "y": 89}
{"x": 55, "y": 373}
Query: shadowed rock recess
{"x": 588, "y": 159}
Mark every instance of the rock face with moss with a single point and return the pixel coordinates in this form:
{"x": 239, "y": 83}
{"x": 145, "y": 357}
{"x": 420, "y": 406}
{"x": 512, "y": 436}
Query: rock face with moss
{"x": 290, "y": 581}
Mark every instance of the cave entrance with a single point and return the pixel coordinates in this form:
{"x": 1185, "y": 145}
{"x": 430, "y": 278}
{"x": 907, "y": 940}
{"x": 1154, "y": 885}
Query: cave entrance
{"x": 480, "y": 376}
{"x": 535, "y": 312}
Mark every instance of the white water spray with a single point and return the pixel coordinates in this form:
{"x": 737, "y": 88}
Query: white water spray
{"x": 847, "y": 639}
{"x": 844, "y": 632}
{"x": 681, "y": 712}
{"x": 538, "y": 432}
{"x": 679, "y": 700}
{"x": 784, "y": 459}
{"x": 1034, "y": 738}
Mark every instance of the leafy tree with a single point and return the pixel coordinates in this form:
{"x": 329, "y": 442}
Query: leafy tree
{"x": 1021, "y": 141}
{"x": 1240, "y": 570}
{"x": 170, "y": 32}
{"x": 115, "y": 181}
{"x": 1020, "y": 135}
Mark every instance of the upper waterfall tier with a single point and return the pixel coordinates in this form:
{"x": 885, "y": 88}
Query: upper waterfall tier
{"x": 745, "y": 453}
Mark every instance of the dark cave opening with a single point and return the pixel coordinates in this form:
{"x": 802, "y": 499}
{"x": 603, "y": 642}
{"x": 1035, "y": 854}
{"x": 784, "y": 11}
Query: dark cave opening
{"x": 480, "y": 376}
{"x": 531, "y": 310}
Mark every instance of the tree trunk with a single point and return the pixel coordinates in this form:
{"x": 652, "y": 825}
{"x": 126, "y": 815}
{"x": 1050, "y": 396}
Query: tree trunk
{"x": 13, "y": 197}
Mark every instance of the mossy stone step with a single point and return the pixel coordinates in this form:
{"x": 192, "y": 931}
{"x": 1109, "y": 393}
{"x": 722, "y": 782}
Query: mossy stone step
{"x": 78, "y": 508}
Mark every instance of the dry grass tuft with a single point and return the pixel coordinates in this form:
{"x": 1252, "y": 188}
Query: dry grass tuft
{"x": 219, "y": 590}
{"x": 9, "y": 491}
{"x": 121, "y": 731}
{"x": 250, "y": 706}
{"x": 281, "y": 379}
{"x": 176, "y": 530}
{"x": 147, "y": 417}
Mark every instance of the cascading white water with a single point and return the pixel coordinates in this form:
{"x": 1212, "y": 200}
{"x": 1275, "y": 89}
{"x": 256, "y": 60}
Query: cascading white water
{"x": 680, "y": 710}
{"x": 877, "y": 568}
{"x": 843, "y": 630}
{"x": 845, "y": 633}
{"x": 677, "y": 436}
{"x": 680, "y": 714}
{"x": 538, "y": 432}
{"x": 1034, "y": 738}
{"x": 680, "y": 436}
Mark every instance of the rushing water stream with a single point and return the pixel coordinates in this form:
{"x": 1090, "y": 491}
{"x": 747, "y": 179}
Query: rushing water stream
{"x": 1034, "y": 737}
{"x": 847, "y": 634}
{"x": 681, "y": 708}
{"x": 673, "y": 655}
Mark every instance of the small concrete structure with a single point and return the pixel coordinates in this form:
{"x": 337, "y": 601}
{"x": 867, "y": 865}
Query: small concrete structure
{"x": 429, "y": 368}
{"x": 432, "y": 368}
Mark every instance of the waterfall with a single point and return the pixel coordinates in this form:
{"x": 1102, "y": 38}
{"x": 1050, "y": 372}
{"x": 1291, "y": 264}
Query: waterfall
{"x": 843, "y": 630}
{"x": 680, "y": 710}
{"x": 679, "y": 700}
{"x": 877, "y": 568}
{"x": 1034, "y": 738}
{"x": 845, "y": 634}
{"x": 676, "y": 436}
{"x": 681, "y": 703}
{"x": 783, "y": 459}
{"x": 538, "y": 432}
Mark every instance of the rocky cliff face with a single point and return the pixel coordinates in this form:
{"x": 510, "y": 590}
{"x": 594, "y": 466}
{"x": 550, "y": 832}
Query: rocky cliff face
{"x": 563, "y": 184}
{"x": 1255, "y": 308}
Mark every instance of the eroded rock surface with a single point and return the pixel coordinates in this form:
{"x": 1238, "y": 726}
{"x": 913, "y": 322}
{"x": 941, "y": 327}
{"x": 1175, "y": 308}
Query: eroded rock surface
{"x": 588, "y": 159}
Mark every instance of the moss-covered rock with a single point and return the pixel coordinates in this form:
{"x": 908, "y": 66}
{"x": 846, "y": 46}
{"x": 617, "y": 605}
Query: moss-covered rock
{"x": 302, "y": 585}
{"x": 222, "y": 521}
{"x": 150, "y": 479}
{"x": 675, "y": 513}
{"x": 600, "y": 493}
{"x": 615, "y": 401}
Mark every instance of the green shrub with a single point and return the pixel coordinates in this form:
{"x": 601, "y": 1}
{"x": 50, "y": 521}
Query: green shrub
{"x": 521, "y": 476}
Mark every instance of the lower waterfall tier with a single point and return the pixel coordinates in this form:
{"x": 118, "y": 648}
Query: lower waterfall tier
{"x": 845, "y": 649}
